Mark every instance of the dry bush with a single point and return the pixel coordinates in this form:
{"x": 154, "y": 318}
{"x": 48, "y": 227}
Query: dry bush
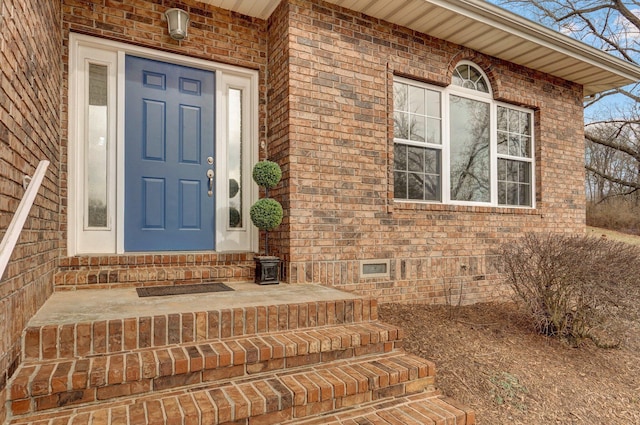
{"x": 574, "y": 287}
{"x": 616, "y": 214}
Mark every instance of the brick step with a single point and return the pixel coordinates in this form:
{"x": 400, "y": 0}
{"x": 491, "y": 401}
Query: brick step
{"x": 42, "y": 385}
{"x": 131, "y": 270}
{"x": 107, "y": 277}
{"x": 416, "y": 409}
{"x": 72, "y": 340}
{"x": 267, "y": 398}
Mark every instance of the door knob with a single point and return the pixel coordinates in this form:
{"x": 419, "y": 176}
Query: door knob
{"x": 210, "y": 176}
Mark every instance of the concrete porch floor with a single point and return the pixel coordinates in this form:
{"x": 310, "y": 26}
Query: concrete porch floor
{"x": 106, "y": 304}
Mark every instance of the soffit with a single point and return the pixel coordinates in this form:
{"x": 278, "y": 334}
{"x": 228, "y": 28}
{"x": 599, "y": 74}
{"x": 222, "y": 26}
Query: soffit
{"x": 489, "y": 29}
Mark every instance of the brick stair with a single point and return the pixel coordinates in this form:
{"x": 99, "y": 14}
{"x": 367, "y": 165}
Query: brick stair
{"x": 315, "y": 362}
{"x": 134, "y": 270}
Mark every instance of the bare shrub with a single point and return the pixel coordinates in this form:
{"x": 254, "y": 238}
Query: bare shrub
{"x": 574, "y": 287}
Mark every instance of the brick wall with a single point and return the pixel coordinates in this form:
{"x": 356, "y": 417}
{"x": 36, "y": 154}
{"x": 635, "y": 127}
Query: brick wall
{"x": 340, "y": 189}
{"x": 278, "y": 105}
{"x": 30, "y": 80}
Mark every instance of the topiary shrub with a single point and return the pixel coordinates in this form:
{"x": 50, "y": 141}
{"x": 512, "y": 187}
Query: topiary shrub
{"x": 266, "y": 214}
{"x": 574, "y": 287}
{"x": 267, "y": 174}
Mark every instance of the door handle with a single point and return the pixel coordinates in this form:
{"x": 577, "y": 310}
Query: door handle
{"x": 210, "y": 176}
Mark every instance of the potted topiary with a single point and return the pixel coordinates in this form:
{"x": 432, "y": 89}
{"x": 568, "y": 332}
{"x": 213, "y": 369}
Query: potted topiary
{"x": 266, "y": 214}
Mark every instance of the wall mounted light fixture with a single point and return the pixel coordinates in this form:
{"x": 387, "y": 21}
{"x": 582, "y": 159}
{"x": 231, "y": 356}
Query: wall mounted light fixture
{"x": 178, "y": 22}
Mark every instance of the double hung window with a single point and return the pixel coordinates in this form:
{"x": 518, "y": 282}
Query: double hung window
{"x": 457, "y": 145}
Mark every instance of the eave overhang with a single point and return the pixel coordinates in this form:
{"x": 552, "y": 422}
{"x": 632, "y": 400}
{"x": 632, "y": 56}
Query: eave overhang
{"x": 488, "y": 29}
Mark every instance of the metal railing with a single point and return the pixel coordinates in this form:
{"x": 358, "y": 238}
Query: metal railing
{"x": 32, "y": 185}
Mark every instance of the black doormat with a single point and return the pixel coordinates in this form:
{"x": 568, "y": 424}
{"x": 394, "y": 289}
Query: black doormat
{"x": 198, "y": 288}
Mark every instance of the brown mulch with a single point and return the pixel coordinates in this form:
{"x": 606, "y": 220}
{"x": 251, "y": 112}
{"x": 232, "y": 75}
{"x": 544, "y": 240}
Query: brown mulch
{"x": 488, "y": 357}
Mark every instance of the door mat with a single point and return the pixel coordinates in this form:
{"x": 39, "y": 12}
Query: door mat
{"x": 198, "y": 288}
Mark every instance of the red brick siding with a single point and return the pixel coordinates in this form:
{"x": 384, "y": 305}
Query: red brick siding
{"x": 341, "y": 158}
{"x": 30, "y": 80}
{"x": 278, "y": 148}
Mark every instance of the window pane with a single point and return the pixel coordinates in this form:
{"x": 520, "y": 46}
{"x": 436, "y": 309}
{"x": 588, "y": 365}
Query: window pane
{"x": 525, "y": 147}
{"x": 417, "y": 128}
{"x": 512, "y": 194}
{"x": 463, "y": 70}
{"x": 401, "y": 125}
{"x": 433, "y": 104}
{"x": 503, "y": 143}
{"x": 432, "y": 161}
{"x": 513, "y": 171}
{"x": 96, "y": 147}
{"x": 234, "y": 158}
{"x": 400, "y": 97}
{"x": 503, "y": 118}
{"x": 502, "y": 170}
{"x": 400, "y": 185}
{"x": 416, "y": 186}
{"x": 514, "y": 145}
{"x": 416, "y": 100}
{"x": 502, "y": 193}
{"x": 432, "y": 188}
{"x": 482, "y": 86}
{"x": 474, "y": 75}
{"x": 470, "y": 170}
{"x": 525, "y": 195}
{"x": 434, "y": 133}
{"x": 525, "y": 123}
{"x": 514, "y": 121}
{"x": 524, "y": 172}
{"x": 416, "y": 159}
{"x": 400, "y": 156}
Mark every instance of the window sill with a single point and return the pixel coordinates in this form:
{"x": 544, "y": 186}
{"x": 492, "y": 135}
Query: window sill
{"x": 484, "y": 209}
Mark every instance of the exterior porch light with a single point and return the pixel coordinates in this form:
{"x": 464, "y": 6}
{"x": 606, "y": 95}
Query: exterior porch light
{"x": 178, "y": 22}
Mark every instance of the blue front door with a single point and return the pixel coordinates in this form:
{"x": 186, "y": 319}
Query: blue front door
{"x": 169, "y": 151}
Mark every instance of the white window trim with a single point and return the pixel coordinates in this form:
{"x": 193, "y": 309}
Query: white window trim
{"x": 445, "y": 148}
{"x": 111, "y": 240}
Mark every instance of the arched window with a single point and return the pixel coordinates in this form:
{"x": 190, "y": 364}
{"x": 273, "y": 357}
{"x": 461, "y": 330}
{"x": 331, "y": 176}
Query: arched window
{"x": 468, "y": 76}
{"x": 458, "y": 145}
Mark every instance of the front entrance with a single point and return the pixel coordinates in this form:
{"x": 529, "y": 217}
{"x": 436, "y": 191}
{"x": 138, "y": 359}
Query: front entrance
{"x": 169, "y": 157}
{"x": 161, "y": 148}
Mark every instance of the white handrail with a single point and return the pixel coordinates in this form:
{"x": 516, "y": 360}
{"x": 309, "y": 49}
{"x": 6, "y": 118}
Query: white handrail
{"x": 17, "y": 222}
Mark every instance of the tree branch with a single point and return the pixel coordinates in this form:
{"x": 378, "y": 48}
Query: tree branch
{"x": 614, "y": 145}
{"x": 612, "y": 179}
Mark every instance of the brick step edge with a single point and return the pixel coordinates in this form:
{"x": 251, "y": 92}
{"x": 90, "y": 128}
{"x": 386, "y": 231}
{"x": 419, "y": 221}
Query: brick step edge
{"x": 422, "y": 408}
{"x": 40, "y": 385}
{"x": 273, "y": 398}
{"x": 127, "y": 276}
{"x": 73, "y": 340}
{"x": 181, "y": 259}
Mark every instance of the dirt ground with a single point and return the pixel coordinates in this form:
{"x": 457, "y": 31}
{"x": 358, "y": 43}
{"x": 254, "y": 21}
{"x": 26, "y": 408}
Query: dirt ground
{"x": 489, "y": 358}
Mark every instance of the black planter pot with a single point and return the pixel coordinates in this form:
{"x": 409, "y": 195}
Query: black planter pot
{"x": 267, "y": 270}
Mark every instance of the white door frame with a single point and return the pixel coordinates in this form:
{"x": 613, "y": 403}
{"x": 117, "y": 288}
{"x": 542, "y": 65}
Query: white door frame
{"x": 85, "y": 49}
